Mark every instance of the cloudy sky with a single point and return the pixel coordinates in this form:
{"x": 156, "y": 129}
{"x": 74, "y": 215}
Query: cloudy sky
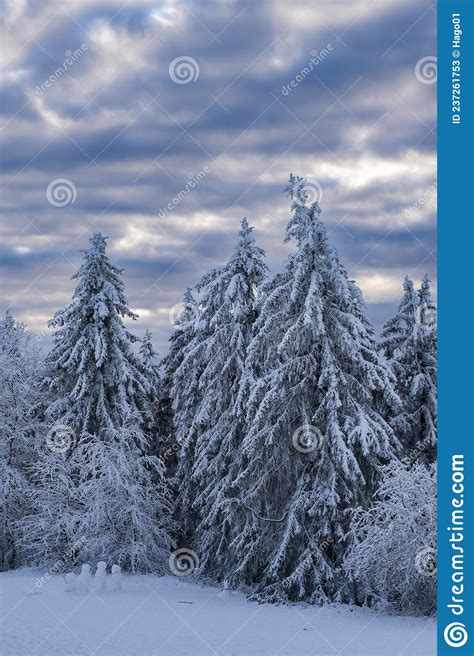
{"x": 111, "y": 109}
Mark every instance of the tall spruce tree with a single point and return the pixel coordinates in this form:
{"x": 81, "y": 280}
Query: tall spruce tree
{"x": 117, "y": 499}
{"x": 208, "y": 459}
{"x": 148, "y": 355}
{"x": 95, "y": 374}
{"x": 176, "y": 403}
{"x": 409, "y": 344}
{"x": 157, "y": 424}
{"x": 315, "y": 440}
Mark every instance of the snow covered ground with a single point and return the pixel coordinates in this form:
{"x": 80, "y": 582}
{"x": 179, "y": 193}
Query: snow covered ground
{"x": 171, "y": 616}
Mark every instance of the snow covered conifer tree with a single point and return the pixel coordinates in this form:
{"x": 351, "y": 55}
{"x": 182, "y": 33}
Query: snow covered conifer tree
{"x": 93, "y": 369}
{"x": 174, "y": 408}
{"x": 157, "y": 426}
{"x": 147, "y": 352}
{"x": 316, "y": 440}
{"x": 120, "y": 501}
{"x": 409, "y": 344}
{"x": 396, "y": 329}
{"x": 150, "y": 361}
{"x": 425, "y": 384}
{"x": 20, "y": 426}
{"x": 208, "y": 458}
{"x": 181, "y": 336}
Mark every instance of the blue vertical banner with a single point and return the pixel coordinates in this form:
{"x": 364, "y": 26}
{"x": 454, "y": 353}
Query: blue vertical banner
{"x": 456, "y": 327}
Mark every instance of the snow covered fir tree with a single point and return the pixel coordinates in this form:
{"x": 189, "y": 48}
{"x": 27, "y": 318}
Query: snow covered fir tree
{"x": 278, "y": 439}
{"x": 213, "y": 415}
{"x": 98, "y": 481}
{"x": 409, "y": 343}
{"x": 315, "y": 440}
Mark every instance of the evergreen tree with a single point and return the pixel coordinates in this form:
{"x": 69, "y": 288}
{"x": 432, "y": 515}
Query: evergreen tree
{"x": 409, "y": 344}
{"x": 94, "y": 373}
{"x": 182, "y": 335}
{"x": 157, "y": 427}
{"x": 149, "y": 356}
{"x": 20, "y": 422}
{"x": 424, "y": 390}
{"x": 173, "y": 406}
{"x": 316, "y": 440}
{"x": 208, "y": 458}
{"x": 117, "y": 500}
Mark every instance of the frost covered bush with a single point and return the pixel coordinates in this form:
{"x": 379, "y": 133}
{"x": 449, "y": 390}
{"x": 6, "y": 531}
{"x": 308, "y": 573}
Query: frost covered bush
{"x": 393, "y": 557}
{"x": 19, "y": 424}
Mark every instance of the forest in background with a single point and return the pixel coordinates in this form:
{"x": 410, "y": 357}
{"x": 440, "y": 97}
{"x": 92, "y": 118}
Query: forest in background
{"x": 278, "y": 448}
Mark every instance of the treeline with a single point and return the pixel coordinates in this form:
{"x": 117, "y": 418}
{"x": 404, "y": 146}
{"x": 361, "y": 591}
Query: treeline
{"x": 278, "y": 442}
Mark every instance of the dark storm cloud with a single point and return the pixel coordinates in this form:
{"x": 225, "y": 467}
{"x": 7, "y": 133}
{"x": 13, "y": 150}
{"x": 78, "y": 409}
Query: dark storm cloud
{"x": 129, "y": 139}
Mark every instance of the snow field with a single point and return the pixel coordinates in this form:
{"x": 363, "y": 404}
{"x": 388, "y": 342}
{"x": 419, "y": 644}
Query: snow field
{"x": 173, "y": 616}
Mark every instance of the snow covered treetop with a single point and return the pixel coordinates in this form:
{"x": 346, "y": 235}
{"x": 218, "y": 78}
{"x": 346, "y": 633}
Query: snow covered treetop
{"x": 305, "y": 225}
{"x": 100, "y": 291}
{"x": 301, "y": 191}
{"x": 407, "y": 284}
{"x": 99, "y": 242}
{"x": 425, "y": 289}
